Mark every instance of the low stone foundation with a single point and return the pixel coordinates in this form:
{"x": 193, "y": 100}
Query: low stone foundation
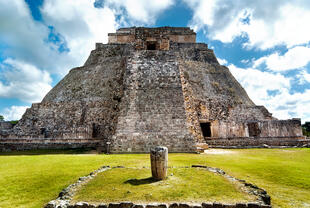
{"x": 65, "y": 196}
{"x": 173, "y": 205}
{"x": 7, "y": 145}
{"x": 255, "y": 142}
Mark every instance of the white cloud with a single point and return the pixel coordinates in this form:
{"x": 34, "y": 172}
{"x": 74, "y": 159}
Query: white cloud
{"x": 14, "y": 112}
{"x": 266, "y": 22}
{"x": 27, "y": 40}
{"x": 31, "y": 57}
{"x": 245, "y": 61}
{"x": 23, "y": 36}
{"x": 257, "y": 83}
{"x": 222, "y": 61}
{"x": 24, "y": 81}
{"x": 303, "y": 77}
{"x": 294, "y": 58}
{"x": 281, "y": 102}
{"x": 141, "y": 11}
{"x": 81, "y": 25}
{"x": 287, "y": 105}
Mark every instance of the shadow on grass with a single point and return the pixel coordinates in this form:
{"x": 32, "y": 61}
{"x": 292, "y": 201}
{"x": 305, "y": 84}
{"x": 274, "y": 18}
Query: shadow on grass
{"x": 137, "y": 182}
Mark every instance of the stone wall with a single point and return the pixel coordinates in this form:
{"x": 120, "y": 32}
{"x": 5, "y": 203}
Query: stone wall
{"x": 258, "y": 142}
{"x": 152, "y": 108}
{"x": 7, "y": 145}
{"x": 5, "y": 128}
{"x": 280, "y": 128}
{"x": 6, "y": 125}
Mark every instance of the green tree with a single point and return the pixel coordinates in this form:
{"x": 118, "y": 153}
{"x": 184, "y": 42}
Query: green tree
{"x": 14, "y": 122}
{"x": 1, "y": 118}
{"x": 306, "y": 129}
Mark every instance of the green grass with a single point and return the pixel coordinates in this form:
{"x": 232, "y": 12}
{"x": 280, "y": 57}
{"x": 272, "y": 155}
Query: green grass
{"x": 284, "y": 173}
{"x": 136, "y": 185}
{"x": 32, "y": 180}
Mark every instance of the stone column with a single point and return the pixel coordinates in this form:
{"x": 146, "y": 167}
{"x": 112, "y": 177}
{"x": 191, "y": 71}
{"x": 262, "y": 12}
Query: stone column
{"x": 159, "y": 162}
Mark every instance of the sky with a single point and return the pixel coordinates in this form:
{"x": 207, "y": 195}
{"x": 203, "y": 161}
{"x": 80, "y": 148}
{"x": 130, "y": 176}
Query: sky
{"x": 265, "y": 44}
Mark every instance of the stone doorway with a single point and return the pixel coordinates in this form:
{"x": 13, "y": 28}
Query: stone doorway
{"x": 254, "y": 129}
{"x": 151, "y": 45}
{"x": 206, "y": 129}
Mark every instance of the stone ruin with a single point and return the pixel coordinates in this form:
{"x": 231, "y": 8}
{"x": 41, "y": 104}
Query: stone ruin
{"x": 149, "y": 87}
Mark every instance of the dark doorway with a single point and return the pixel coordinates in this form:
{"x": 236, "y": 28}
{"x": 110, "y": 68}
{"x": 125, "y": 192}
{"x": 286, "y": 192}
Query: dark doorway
{"x": 150, "y": 45}
{"x": 254, "y": 130}
{"x": 96, "y": 130}
{"x": 206, "y": 129}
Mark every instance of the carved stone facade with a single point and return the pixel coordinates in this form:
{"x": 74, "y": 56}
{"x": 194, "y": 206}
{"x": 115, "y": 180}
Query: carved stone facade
{"x": 153, "y": 38}
{"x": 148, "y": 87}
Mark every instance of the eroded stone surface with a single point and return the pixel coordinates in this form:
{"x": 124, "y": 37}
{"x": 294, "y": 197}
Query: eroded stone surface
{"x": 159, "y": 162}
{"x": 128, "y": 99}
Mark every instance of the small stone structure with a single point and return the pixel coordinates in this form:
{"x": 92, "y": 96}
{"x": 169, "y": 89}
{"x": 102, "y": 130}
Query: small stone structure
{"x": 153, "y": 38}
{"x": 159, "y": 162}
{"x": 149, "y": 87}
{"x": 64, "y": 199}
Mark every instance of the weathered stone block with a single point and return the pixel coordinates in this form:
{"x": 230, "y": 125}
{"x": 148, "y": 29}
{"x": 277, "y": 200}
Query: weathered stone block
{"x": 207, "y": 205}
{"x": 156, "y": 206}
{"x": 217, "y": 205}
{"x": 126, "y": 205}
{"x": 183, "y": 205}
{"x": 138, "y": 206}
{"x": 174, "y": 205}
{"x": 159, "y": 162}
{"x": 229, "y": 205}
{"x": 254, "y": 205}
{"x": 241, "y": 205}
{"x": 114, "y": 205}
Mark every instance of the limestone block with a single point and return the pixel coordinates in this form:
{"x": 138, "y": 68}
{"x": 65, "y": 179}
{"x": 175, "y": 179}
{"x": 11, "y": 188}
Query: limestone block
{"x": 159, "y": 162}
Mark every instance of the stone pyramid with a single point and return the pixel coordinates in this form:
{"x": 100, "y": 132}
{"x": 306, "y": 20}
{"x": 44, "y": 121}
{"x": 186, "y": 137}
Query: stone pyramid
{"x": 147, "y": 87}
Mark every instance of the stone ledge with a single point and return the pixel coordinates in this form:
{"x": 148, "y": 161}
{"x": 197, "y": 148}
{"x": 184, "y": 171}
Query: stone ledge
{"x": 7, "y": 145}
{"x": 160, "y": 205}
{"x": 47, "y": 140}
{"x": 251, "y": 142}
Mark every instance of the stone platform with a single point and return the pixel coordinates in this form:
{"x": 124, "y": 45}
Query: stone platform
{"x": 252, "y": 142}
{"x": 39, "y": 143}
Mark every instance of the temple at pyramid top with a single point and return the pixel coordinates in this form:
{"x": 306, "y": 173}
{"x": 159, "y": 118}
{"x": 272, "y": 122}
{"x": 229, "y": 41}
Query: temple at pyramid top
{"x": 153, "y": 38}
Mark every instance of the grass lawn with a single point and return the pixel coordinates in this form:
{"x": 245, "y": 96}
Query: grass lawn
{"x": 33, "y": 180}
{"x": 182, "y": 184}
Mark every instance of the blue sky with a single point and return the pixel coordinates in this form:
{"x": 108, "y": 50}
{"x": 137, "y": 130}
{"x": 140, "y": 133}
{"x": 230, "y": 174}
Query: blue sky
{"x": 265, "y": 44}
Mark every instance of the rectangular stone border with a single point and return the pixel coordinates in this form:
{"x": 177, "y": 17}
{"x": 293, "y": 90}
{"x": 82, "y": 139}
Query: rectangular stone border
{"x": 66, "y": 195}
{"x": 167, "y": 205}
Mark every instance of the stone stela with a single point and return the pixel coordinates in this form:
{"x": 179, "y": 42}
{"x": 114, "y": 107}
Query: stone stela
{"x": 159, "y": 162}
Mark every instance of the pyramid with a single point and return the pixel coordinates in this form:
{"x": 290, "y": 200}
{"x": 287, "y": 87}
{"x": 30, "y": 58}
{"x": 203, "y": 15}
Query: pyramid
{"x": 148, "y": 87}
